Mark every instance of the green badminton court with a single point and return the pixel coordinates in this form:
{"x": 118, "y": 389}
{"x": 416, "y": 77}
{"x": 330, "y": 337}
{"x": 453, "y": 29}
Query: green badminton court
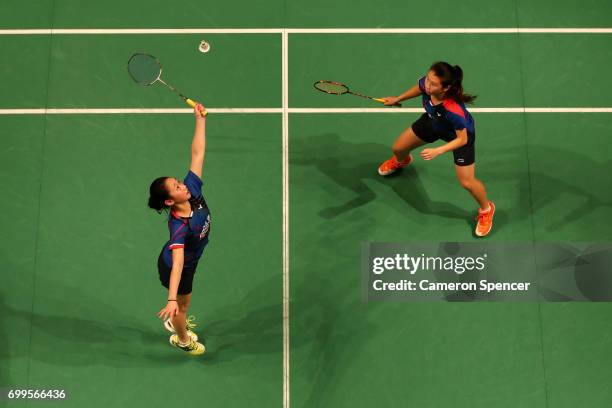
{"x": 290, "y": 177}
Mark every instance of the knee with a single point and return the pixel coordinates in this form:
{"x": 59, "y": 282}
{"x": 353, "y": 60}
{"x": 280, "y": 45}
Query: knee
{"x": 466, "y": 183}
{"x": 183, "y": 307}
{"x": 397, "y": 149}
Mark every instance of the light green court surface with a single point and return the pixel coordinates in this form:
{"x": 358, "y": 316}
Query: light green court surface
{"x": 80, "y": 289}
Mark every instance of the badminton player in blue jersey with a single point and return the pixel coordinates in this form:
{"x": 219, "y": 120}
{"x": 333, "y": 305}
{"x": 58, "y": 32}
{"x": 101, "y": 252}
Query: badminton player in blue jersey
{"x": 189, "y": 229}
{"x": 446, "y": 118}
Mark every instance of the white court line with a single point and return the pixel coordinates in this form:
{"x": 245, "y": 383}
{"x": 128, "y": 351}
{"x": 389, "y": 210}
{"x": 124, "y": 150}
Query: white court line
{"x": 567, "y": 110}
{"x": 509, "y": 30}
{"x": 53, "y": 111}
{"x": 286, "y": 293}
{"x": 473, "y": 110}
{"x": 105, "y": 31}
{"x": 285, "y": 111}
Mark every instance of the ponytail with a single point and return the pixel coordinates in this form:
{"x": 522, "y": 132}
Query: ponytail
{"x": 452, "y": 77}
{"x": 158, "y": 195}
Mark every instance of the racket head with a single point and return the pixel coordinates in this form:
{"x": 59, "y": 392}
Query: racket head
{"x": 144, "y": 69}
{"x": 331, "y": 87}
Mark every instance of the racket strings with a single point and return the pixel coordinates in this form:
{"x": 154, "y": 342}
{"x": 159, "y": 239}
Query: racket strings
{"x": 144, "y": 69}
{"x": 331, "y": 87}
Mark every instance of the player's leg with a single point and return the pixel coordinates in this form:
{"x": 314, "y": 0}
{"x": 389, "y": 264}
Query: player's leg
{"x": 404, "y": 144}
{"x": 184, "y": 339}
{"x": 468, "y": 180}
{"x": 179, "y": 322}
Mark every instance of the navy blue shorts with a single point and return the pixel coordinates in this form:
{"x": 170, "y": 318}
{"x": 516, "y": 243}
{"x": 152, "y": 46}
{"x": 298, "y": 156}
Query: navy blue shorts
{"x": 186, "y": 283}
{"x": 424, "y": 129}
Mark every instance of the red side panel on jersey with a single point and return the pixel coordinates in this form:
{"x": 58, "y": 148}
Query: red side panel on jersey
{"x": 452, "y": 106}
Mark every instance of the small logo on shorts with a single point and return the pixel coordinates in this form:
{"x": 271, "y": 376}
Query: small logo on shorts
{"x": 460, "y": 160}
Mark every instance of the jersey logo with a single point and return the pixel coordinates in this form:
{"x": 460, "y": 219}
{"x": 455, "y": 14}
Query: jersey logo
{"x": 205, "y": 228}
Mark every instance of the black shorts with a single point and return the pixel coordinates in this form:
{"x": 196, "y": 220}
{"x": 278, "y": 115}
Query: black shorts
{"x": 464, "y": 156}
{"x": 186, "y": 282}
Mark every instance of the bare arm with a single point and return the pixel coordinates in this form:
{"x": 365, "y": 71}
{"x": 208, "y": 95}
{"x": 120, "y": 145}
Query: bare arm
{"x": 410, "y": 93}
{"x": 459, "y": 141}
{"x": 198, "y": 145}
{"x": 178, "y": 260}
{"x": 171, "y": 309}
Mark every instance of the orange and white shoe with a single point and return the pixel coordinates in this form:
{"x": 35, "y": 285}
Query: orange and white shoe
{"x": 485, "y": 220}
{"x": 392, "y": 165}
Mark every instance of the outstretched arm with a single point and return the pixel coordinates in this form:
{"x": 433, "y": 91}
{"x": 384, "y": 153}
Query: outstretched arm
{"x": 410, "y": 93}
{"x": 198, "y": 145}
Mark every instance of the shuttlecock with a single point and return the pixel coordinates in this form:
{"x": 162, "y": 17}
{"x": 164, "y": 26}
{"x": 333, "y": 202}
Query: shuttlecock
{"x": 204, "y": 46}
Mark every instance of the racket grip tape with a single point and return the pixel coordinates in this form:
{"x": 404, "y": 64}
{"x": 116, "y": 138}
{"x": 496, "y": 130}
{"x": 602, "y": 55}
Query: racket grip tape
{"x": 193, "y": 104}
{"x": 399, "y": 105}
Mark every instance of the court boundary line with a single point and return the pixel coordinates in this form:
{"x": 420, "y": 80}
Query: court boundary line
{"x": 284, "y": 110}
{"x": 285, "y": 173}
{"x": 286, "y": 31}
{"x": 41, "y": 174}
{"x": 458, "y": 30}
{"x": 111, "y": 111}
{"x": 473, "y": 110}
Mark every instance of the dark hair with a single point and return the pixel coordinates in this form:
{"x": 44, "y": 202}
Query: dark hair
{"x": 452, "y": 76}
{"x": 158, "y": 194}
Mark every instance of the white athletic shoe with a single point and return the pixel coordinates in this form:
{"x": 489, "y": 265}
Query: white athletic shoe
{"x": 189, "y": 323}
{"x": 193, "y": 347}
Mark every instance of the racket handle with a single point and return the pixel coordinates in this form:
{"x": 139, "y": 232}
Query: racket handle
{"x": 193, "y": 104}
{"x": 383, "y": 101}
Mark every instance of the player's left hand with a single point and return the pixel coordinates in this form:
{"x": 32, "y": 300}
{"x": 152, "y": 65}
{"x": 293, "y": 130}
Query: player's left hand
{"x": 169, "y": 311}
{"x": 429, "y": 154}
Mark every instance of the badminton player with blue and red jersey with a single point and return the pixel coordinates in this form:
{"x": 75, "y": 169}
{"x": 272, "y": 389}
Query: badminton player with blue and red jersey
{"x": 189, "y": 228}
{"x": 446, "y": 118}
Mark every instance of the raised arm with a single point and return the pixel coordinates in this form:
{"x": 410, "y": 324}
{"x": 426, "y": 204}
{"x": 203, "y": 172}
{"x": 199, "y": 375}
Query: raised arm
{"x": 198, "y": 145}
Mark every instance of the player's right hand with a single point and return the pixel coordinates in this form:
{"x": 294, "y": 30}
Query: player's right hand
{"x": 391, "y": 100}
{"x": 199, "y": 111}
